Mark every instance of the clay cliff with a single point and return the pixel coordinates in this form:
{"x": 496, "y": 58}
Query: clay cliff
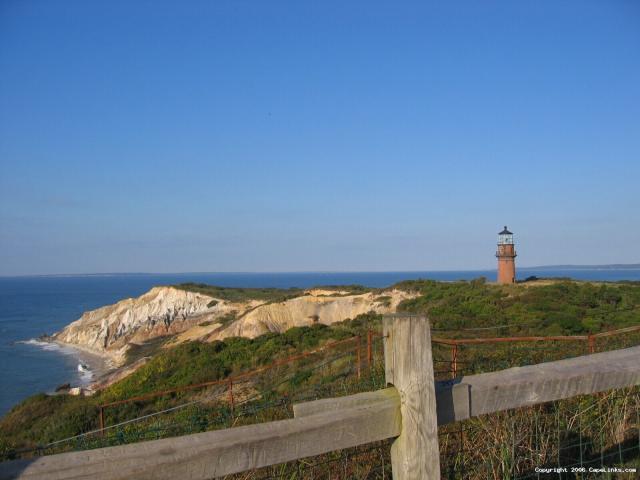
{"x": 109, "y": 330}
{"x": 167, "y": 311}
{"x": 307, "y": 310}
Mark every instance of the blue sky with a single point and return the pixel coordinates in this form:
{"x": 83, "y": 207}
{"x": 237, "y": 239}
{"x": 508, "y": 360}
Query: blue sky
{"x": 288, "y": 136}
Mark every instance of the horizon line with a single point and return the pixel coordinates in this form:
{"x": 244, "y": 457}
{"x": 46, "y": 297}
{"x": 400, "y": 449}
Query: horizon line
{"x": 266, "y": 272}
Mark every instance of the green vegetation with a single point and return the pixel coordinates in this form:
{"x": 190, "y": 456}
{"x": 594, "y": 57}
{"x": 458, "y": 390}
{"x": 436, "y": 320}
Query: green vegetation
{"x": 535, "y": 307}
{"x": 46, "y": 417}
{"x": 542, "y": 308}
{"x": 346, "y": 289}
{"x": 43, "y": 418}
{"x": 241, "y": 294}
{"x": 149, "y": 348}
{"x": 269, "y": 295}
{"x": 223, "y": 320}
{"x": 384, "y": 300}
{"x": 227, "y": 318}
{"x": 563, "y": 307}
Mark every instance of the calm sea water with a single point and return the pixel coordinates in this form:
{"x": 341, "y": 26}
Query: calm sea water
{"x": 32, "y": 306}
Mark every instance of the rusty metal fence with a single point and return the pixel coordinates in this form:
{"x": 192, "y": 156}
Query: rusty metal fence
{"x": 359, "y": 362}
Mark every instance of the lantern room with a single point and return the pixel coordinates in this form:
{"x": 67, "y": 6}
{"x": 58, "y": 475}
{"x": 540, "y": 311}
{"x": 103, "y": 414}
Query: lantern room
{"x": 505, "y": 237}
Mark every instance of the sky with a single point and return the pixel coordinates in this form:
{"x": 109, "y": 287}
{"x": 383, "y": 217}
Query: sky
{"x": 152, "y": 136}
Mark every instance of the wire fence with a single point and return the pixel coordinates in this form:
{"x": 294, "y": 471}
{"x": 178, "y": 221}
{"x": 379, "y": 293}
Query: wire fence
{"x": 487, "y": 352}
{"x": 260, "y": 397}
{"x": 581, "y": 438}
{"x": 568, "y": 439}
{"x": 583, "y": 433}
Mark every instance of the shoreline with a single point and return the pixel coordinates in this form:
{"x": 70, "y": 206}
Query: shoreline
{"x": 100, "y": 365}
{"x": 103, "y": 357}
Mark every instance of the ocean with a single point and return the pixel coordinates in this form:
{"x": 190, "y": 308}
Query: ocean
{"x": 32, "y": 306}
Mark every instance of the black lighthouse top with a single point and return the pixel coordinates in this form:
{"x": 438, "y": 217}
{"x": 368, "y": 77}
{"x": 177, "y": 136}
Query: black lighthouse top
{"x": 505, "y": 231}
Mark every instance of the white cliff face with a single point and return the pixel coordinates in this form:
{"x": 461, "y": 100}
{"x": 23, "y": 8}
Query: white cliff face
{"x": 168, "y": 311}
{"x": 307, "y": 310}
{"x": 108, "y": 330}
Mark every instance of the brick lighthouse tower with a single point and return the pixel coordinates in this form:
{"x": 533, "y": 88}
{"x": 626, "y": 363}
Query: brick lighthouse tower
{"x": 506, "y": 254}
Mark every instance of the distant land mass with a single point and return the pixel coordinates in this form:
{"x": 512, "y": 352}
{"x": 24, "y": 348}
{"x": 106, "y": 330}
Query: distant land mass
{"x": 614, "y": 266}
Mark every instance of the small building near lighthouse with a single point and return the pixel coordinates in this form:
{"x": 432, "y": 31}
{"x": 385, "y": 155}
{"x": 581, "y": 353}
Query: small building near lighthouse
{"x": 506, "y": 254}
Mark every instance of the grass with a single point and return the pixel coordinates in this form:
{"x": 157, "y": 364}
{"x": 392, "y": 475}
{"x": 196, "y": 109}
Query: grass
{"x": 384, "y": 300}
{"x": 241, "y": 294}
{"x": 345, "y": 290}
{"x": 227, "y": 318}
{"x": 43, "y": 418}
{"x": 149, "y": 348}
{"x": 268, "y": 295}
{"x": 597, "y": 429}
{"x": 560, "y": 307}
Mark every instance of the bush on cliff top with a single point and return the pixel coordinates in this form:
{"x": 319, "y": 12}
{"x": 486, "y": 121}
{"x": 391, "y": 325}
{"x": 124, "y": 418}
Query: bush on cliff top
{"x": 563, "y": 307}
{"x": 235, "y": 294}
{"x": 241, "y": 294}
{"x": 558, "y": 308}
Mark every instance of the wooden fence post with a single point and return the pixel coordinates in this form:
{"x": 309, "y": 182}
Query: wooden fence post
{"x": 409, "y": 368}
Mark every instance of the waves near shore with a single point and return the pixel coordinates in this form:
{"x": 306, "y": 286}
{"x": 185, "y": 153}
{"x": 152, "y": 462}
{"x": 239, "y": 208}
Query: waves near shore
{"x": 95, "y": 366}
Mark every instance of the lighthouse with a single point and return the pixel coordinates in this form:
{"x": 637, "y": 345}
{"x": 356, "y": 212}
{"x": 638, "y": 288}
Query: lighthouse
{"x": 506, "y": 254}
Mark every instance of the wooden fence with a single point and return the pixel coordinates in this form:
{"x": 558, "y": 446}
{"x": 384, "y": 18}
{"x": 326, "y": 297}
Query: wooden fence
{"x": 452, "y": 343}
{"x": 229, "y": 382}
{"x": 409, "y": 410}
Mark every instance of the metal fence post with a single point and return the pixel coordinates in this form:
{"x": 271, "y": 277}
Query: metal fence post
{"x": 454, "y": 360}
{"x": 230, "y": 388}
{"x": 358, "y": 359}
{"x": 101, "y": 420}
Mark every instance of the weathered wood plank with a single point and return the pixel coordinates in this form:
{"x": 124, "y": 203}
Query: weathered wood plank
{"x": 217, "y": 453}
{"x": 409, "y": 368}
{"x": 452, "y": 402}
{"x": 546, "y": 382}
{"x": 334, "y": 424}
{"x": 324, "y": 405}
{"x": 516, "y": 387}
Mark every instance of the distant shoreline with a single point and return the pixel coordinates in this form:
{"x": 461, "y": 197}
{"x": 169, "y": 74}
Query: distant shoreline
{"x": 626, "y": 266}
{"x": 613, "y": 266}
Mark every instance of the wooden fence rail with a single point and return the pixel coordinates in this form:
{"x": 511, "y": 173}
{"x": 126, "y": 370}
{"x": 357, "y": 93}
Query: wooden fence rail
{"x": 410, "y": 410}
{"x": 453, "y": 364}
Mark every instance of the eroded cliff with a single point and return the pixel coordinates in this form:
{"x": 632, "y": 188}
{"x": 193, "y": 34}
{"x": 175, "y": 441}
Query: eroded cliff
{"x": 109, "y": 330}
{"x": 186, "y": 315}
